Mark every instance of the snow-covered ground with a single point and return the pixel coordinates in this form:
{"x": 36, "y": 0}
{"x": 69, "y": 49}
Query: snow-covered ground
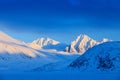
{"x": 103, "y": 57}
{"x": 38, "y": 61}
{"x": 17, "y": 55}
{"x": 58, "y": 75}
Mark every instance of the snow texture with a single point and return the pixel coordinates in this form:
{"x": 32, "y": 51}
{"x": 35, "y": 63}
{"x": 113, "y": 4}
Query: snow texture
{"x": 82, "y": 44}
{"x": 103, "y": 57}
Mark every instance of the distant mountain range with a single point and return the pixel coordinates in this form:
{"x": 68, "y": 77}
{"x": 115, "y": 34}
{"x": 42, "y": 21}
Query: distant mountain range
{"x": 80, "y": 45}
{"x": 46, "y": 54}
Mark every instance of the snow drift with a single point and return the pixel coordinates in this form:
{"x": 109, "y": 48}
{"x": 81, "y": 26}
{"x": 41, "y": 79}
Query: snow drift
{"x": 103, "y": 57}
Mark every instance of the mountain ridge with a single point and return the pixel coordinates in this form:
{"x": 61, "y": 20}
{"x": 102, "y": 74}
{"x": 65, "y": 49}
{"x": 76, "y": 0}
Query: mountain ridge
{"x": 82, "y": 43}
{"x": 79, "y": 45}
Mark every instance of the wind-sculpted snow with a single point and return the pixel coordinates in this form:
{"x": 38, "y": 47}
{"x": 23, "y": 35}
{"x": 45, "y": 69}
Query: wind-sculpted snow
{"x": 103, "y": 57}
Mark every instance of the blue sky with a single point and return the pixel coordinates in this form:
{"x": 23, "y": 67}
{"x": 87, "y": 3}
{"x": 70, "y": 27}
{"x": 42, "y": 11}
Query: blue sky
{"x": 61, "y": 20}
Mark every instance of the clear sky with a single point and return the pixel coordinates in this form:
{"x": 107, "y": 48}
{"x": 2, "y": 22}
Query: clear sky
{"x": 62, "y": 20}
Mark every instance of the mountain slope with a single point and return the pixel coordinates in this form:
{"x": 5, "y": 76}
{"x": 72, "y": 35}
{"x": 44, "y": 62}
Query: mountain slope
{"x": 82, "y": 44}
{"x": 103, "y": 57}
{"x": 5, "y": 38}
{"x": 12, "y": 46}
{"x": 47, "y": 43}
{"x": 18, "y": 56}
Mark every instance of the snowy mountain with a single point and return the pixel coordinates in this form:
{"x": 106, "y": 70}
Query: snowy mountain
{"x": 103, "y": 57}
{"x": 5, "y": 38}
{"x": 10, "y": 45}
{"x": 82, "y": 44}
{"x": 47, "y": 43}
{"x": 105, "y": 40}
{"x": 17, "y": 55}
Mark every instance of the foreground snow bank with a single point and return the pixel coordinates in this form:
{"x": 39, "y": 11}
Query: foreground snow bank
{"x": 103, "y": 57}
{"x": 68, "y": 75}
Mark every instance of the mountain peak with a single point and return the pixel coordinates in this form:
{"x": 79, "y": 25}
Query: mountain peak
{"x": 105, "y": 40}
{"x": 44, "y": 38}
{"x": 81, "y": 44}
{"x": 46, "y": 41}
{"x": 41, "y": 42}
{"x": 82, "y": 37}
